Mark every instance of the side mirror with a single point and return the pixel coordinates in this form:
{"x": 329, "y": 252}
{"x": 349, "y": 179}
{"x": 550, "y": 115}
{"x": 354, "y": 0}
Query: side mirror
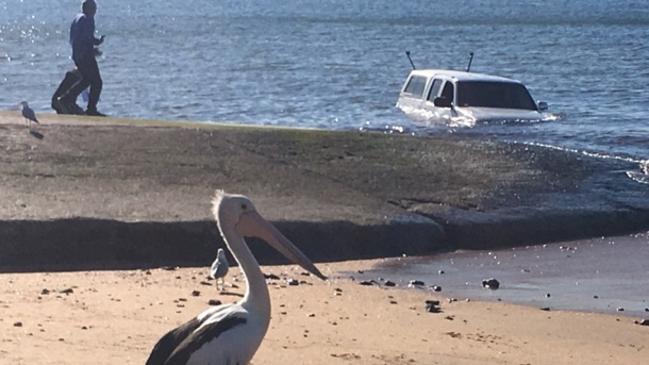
{"x": 543, "y": 106}
{"x": 442, "y": 102}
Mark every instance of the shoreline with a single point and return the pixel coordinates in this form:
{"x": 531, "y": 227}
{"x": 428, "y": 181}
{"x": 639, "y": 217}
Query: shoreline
{"x": 121, "y": 314}
{"x": 115, "y": 193}
{"x": 602, "y": 275}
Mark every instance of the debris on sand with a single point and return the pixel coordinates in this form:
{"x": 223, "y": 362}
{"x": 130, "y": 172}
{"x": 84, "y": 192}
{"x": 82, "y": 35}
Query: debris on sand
{"x": 491, "y": 283}
{"x": 432, "y": 306}
{"x": 643, "y": 322}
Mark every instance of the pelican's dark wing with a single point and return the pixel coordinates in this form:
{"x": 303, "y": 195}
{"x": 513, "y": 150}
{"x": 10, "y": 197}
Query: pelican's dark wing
{"x": 205, "y": 334}
{"x": 168, "y": 343}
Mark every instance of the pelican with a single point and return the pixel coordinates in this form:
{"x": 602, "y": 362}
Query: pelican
{"x": 231, "y": 333}
{"x": 28, "y": 114}
{"x": 219, "y": 269}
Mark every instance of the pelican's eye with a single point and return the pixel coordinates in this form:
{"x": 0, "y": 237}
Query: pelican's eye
{"x": 244, "y": 206}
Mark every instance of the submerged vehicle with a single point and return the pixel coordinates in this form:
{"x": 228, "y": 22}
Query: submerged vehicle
{"x": 462, "y": 98}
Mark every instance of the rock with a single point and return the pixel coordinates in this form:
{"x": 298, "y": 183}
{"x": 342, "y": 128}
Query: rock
{"x": 271, "y": 277}
{"x": 196, "y": 293}
{"x": 547, "y": 309}
{"x": 646, "y": 309}
{"x": 414, "y": 283}
{"x": 595, "y": 296}
{"x": 367, "y": 282}
{"x": 206, "y": 283}
{"x": 45, "y": 291}
{"x": 547, "y": 295}
{"x": 440, "y": 272}
{"x": 67, "y": 291}
{"x": 643, "y": 322}
{"x": 214, "y": 302}
{"x": 436, "y": 288}
{"x": 18, "y": 324}
{"x": 491, "y": 283}
{"x": 432, "y": 306}
{"x": 292, "y": 282}
{"x": 170, "y": 268}
{"x": 620, "y": 309}
{"x": 389, "y": 283}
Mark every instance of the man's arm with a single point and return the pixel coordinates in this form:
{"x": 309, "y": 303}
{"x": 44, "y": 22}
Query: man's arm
{"x": 88, "y": 32}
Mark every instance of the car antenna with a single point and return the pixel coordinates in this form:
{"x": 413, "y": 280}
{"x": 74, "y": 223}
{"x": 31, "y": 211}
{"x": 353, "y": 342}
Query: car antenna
{"x": 468, "y": 67}
{"x": 410, "y": 59}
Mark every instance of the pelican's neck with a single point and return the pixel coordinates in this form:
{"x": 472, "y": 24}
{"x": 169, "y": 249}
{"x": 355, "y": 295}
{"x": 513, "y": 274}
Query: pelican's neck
{"x": 256, "y": 296}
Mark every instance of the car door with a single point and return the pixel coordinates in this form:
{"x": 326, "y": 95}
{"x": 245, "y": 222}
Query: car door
{"x": 433, "y": 92}
{"x": 411, "y": 96}
{"x": 448, "y": 92}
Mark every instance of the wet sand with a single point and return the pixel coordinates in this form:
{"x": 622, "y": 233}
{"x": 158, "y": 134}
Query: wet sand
{"x": 108, "y": 317}
{"x": 608, "y": 275}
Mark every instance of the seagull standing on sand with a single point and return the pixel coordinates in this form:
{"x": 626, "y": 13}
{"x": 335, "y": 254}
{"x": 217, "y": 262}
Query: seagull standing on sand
{"x": 231, "y": 333}
{"x": 219, "y": 269}
{"x": 28, "y": 114}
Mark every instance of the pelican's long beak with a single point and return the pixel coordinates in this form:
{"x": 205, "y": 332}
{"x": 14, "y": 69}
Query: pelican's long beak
{"x": 252, "y": 224}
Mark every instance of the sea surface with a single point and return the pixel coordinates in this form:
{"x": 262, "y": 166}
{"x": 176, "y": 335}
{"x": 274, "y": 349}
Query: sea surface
{"x": 339, "y": 64}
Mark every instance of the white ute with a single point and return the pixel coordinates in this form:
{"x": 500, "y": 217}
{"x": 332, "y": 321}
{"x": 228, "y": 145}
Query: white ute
{"x": 459, "y": 98}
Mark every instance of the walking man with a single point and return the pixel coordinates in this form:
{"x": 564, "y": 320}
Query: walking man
{"x": 83, "y": 42}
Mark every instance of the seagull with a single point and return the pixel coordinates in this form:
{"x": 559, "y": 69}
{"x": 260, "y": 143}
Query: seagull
{"x": 28, "y": 114}
{"x": 231, "y": 333}
{"x": 219, "y": 268}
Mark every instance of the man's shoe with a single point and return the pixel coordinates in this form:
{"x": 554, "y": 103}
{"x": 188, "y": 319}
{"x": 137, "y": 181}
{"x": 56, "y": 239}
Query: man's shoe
{"x": 59, "y": 106}
{"x": 76, "y": 109}
{"x": 94, "y": 113}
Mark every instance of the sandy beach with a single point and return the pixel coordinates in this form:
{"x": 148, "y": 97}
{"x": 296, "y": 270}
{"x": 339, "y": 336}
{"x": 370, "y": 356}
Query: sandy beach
{"x": 108, "y": 317}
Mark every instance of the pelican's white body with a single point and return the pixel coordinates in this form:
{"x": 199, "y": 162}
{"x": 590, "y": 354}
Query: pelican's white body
{"x": 228, "y": 345}
{"x": 231, "y": 334}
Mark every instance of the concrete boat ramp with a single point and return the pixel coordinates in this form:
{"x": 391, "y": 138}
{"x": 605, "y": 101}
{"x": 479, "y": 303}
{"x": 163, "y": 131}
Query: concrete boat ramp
{"x": 84, "y": 193}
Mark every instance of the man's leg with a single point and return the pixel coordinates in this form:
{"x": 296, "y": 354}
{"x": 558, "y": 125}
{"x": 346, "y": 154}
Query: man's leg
{"x": 69, "y": 98}
{"x": 96, "y": 84}
{"x": 71, "y": 78}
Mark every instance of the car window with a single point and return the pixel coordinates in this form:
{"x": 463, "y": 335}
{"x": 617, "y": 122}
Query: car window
{"x": 494, "y": 94}
{"x": 434, "y": 89}
{"x": 448, "y": 91}
{"x": 416, "y": 86}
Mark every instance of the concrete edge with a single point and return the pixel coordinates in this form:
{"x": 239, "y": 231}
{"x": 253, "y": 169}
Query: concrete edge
{"x": 98, "y": 244}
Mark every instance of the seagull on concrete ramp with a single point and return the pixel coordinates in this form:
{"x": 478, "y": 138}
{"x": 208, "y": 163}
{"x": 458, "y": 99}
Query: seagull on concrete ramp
{"x": 28, "y": 114}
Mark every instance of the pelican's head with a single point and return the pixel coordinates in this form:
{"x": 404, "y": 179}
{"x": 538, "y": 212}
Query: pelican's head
{"x": 23, "y": 104}
{"x": 238, "y": 212}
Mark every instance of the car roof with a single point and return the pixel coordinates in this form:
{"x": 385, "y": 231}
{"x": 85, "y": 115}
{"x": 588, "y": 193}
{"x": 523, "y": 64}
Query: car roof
{"x": 461, "y": 75}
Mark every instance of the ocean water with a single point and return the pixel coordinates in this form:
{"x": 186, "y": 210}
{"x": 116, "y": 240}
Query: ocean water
{"x": 604, "y": 274}
{"x": 339, "y": 64}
